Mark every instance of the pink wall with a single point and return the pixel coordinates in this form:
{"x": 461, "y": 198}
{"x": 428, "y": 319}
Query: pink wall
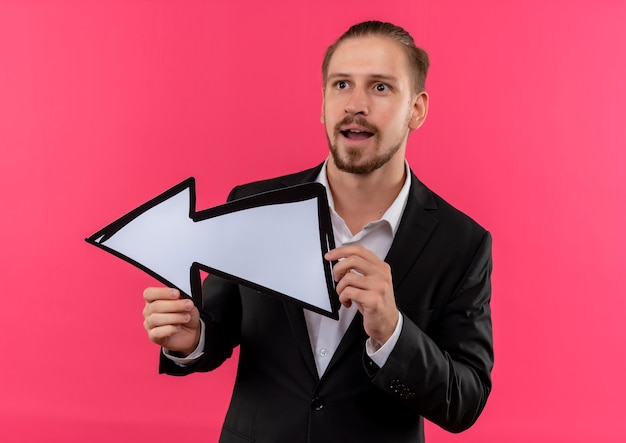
{"x": 104, "y": 104}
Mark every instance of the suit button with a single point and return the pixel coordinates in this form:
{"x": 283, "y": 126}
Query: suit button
{"x": 395, "y": 385}
{"x": 373, "y": 366}
{"x": 317, "y": 404}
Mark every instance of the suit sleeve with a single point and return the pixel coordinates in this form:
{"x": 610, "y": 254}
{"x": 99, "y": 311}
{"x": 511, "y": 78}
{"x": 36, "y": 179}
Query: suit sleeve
{"x": 445, "y": 376}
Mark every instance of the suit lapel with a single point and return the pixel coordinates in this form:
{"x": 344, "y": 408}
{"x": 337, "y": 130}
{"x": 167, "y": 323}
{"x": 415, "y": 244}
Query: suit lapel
{"x": 308, "y": 176}
{"x": 354, "y": 335}
{"x": 301, "y": 335}
{"x": 416, "y": 227}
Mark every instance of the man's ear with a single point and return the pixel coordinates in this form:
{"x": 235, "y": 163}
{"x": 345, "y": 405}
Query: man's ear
{"x": 322, "y": 114}
{"x": 420, "y": 110}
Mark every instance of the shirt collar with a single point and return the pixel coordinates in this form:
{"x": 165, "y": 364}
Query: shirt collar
{"x": 393, "y": 214}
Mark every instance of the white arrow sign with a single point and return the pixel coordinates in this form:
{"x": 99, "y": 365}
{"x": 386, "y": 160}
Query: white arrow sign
{"x": 255, "y": 241}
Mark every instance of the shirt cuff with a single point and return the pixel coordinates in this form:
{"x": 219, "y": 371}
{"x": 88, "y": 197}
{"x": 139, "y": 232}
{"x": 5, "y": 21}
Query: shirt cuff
{"x": 380, "y": 355}
{"x": 195, "y": 355}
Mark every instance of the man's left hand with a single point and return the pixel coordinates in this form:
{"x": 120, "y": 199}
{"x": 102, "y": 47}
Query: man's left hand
{"x": 364, "y": 279}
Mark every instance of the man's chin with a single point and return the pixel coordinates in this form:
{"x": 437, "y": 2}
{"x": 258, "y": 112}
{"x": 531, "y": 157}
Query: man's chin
{"x": 353, "y": 160}
{"x": 356, "y": 167}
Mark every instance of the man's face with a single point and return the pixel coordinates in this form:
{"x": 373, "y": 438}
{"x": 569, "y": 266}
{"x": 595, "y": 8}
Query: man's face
{"x": 369, "y": 104}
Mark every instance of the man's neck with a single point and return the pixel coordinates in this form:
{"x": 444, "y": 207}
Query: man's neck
{"x": 363, "y": 198}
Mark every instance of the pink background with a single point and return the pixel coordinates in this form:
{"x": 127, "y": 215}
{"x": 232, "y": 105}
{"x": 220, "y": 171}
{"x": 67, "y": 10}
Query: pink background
{"x": 104, "y": 104}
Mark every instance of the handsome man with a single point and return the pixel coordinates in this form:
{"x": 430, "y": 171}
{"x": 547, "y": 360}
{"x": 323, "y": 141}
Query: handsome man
{"x": 414, "y": 335}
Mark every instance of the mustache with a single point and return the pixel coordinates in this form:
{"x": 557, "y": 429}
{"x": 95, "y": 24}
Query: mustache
{"x": 355, "y": 119}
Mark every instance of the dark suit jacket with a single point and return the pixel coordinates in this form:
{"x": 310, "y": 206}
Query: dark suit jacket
{"x": 439, "y": 369}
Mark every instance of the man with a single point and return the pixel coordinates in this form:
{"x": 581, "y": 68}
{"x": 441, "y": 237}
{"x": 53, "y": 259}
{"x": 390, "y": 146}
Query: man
{"x": 414, "y": 335}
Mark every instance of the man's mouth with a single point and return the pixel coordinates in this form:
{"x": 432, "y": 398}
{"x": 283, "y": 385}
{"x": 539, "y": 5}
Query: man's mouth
{"x": 356, "y": 134}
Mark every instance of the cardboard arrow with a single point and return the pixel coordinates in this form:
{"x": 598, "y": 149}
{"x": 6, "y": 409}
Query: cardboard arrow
{"x": 273, "y": 242}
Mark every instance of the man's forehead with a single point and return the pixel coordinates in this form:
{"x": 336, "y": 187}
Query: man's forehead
{"x": 372, "y": 55}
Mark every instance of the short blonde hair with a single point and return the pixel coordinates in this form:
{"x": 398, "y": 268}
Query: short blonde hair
{"x": 417, "y": 57}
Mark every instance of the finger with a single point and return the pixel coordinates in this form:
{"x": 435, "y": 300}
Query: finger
{"x": 153, "y": 294}
{"x": 363, "y": 290}
{"x": 345, "y": 302}
{"x": 159, "y": 320}
{"x": 348, "y": 296}
{"x": 348, "y": 250}
{"x": 358, "y": 264}
{"x": 163, "y": 306}
{"x": 351, "y": 279}
{"x": 161, "y": 334}
{"x": 167, "y": 306}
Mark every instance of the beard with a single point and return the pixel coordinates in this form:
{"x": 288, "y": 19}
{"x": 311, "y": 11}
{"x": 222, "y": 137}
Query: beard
{"x": 352, "y": 160}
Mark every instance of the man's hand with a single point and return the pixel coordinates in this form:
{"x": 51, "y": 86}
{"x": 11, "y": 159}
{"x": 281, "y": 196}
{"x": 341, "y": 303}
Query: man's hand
{"x": 369, "y": 286}
{"x": 172, "y": 322}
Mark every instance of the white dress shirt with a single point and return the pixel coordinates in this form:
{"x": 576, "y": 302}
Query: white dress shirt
{"x": 325, "y": 334}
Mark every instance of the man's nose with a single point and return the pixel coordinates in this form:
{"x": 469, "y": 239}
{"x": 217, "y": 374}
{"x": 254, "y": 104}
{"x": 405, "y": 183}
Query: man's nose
{"x": 357, "y": 102}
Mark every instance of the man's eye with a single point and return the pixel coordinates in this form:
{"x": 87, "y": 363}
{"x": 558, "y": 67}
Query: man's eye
{"x": 381, "y": 87}
{"x": 341, "y": 84}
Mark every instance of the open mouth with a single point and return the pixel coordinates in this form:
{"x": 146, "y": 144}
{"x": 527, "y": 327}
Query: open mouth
{"x": 356, "y": 134}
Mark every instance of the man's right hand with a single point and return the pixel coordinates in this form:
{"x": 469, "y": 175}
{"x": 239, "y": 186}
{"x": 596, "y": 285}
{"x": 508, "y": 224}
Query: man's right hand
{"x": 171, "y": 321}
